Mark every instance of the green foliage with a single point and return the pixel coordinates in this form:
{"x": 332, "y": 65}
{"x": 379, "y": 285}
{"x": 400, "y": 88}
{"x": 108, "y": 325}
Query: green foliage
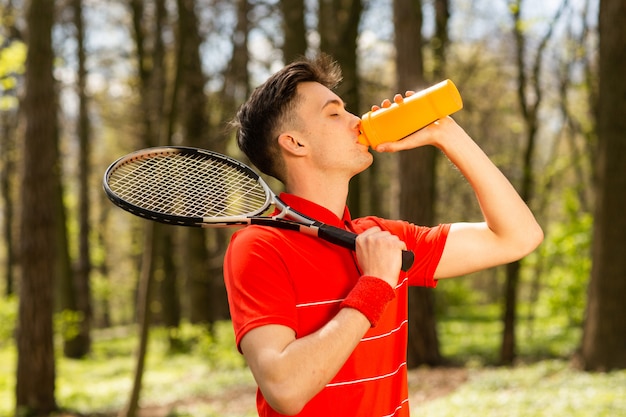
{"x": 67, "y": 323}
{"x": 566, "y": 255}
{"x": 452, "y": 294}
{"x": 471, "y": 335}
{"x": 214, "y": 344}
{"x": 8, "y": 320}
{"x": 8, "y": 361}
{"x": 12, "y": 59}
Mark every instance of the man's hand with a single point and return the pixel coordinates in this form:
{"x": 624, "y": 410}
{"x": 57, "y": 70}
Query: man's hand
{"x": 379, "y": 254}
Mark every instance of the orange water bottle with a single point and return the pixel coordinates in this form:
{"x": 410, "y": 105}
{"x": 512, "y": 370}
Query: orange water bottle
{"x": 415, "y": 112}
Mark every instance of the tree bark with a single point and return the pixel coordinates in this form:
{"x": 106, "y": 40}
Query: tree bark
{"x": 35, "y": 382}
{"x": 146, "y": 283}
{"x": 195, "y": 127}
{"x": 604, "y": 332}
{"x": 417, "y": 181}
{"x": 152, "y": 82}
{"x": 529, "y": 108}
{"x": 338, "y": 27}
{"x": 79, "y": 345}
{"x": 8, "y": 131}
{"x": 294, "y": 30}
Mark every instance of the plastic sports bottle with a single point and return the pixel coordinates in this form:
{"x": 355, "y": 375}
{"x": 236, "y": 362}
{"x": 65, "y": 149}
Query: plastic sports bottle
{"x": 415, "y": 112}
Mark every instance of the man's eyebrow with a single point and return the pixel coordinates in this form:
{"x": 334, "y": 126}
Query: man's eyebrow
{"x": 334, "y": 101}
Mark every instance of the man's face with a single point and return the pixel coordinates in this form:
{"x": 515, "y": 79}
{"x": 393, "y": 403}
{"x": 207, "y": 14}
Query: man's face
{"x": 330, "y": 131}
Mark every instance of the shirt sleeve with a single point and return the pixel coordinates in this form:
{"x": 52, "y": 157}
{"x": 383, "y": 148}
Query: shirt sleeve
{"x": 427, "y": 244}
{"x": 258, "y": 285}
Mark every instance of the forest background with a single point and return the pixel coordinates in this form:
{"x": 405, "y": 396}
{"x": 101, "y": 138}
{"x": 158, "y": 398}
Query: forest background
{"x": 86, "y": 81}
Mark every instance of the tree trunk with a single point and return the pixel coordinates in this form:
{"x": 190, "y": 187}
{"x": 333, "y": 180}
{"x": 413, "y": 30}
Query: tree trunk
{"x": 236, "y": 87}
{"x": 35, "y": 381}
{"x": 8, "y": 131}
{"x": 9, "y": 117}
{"x": 168, "y": 286}
{"x": 195, "y": 127}
{"x": 144, "y": 314}
{"x": 441, "y": 39}
{"x": 338, "y": 27}
{"x": 79, "y": 345}
{"x": 152, "y": 82}
{"x": 604, "y": 332}
{"x": 294, "y": 30}
{"x": 235, "y": 90}
{"x": 417, "y": 181}
{"x": 529, "y": 107}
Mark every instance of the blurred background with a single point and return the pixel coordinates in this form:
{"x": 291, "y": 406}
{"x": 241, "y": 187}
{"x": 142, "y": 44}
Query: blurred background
{"x": 97, "y": 304}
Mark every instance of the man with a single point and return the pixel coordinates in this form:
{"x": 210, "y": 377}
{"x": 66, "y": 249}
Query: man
{"x": 324, "y": 329}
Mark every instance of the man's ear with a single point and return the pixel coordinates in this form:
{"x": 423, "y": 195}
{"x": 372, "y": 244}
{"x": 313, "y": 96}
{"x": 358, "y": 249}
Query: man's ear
{"x": 291, "y": 144}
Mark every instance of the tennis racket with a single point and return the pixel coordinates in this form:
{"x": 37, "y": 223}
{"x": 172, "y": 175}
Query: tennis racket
{"x": 195, "y": 187}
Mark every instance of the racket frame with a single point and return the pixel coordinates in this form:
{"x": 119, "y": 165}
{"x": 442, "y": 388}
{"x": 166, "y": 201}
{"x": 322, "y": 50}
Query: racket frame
{"x": 287, "y": 218}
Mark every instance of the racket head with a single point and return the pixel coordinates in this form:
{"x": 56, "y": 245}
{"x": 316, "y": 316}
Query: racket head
{"x": 186, "y": 186}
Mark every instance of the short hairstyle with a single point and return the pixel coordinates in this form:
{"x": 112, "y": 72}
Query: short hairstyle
{"x": 260, "y": 119}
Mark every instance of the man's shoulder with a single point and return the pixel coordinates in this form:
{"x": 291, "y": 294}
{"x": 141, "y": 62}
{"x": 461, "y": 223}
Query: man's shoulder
{"x": 363, "y": 223}
{"x": 254, "y": 233}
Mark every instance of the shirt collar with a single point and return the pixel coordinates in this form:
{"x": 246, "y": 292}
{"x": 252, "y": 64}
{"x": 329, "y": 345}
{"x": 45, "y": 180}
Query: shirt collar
{"x": 316, "y": 211}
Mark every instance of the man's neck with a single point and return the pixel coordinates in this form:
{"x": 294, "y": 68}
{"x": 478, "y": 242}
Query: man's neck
{"x": 322, "y": 193}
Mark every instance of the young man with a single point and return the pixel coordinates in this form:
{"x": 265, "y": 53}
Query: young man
{"x": 324, "y": 329}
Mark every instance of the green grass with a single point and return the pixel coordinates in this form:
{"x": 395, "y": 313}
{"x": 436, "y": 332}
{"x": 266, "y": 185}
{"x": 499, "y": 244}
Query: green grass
{"x": 209, "y": 378}
{"x": 7, "y": 379}
{"x": 543, "y": 383}
{"x": 101, "y": 383}
{"x": 545, "y": 388}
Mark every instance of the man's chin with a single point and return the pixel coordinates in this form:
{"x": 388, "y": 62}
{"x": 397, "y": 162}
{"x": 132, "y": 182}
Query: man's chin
{"x": 367, "y": 162}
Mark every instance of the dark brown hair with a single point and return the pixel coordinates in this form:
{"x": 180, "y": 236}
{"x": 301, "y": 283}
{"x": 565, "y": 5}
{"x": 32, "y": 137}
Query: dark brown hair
{"x": 271, "y": 105}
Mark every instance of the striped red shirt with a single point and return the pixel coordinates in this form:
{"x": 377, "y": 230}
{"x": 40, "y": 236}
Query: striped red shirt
{"x": 283, "y": 277}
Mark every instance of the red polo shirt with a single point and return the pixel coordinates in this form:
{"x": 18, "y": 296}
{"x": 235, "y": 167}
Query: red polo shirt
{"x": 276, "y": 276}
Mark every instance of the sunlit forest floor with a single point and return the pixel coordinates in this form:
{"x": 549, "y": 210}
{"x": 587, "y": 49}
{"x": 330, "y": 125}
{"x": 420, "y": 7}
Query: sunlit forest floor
{"x": 207, "y": 377}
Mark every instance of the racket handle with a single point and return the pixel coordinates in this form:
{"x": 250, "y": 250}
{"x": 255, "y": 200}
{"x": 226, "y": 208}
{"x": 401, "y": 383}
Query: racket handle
{"x": 348, "y": 240}
{"x": 408, "y": 257}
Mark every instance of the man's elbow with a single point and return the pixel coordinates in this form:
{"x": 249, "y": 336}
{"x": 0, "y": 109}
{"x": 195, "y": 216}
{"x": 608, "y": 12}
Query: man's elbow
{"x": 530, "y": 240}
{"x": 284, "y": 400}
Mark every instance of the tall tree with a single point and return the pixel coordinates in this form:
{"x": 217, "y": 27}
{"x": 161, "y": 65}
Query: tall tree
{"x": 7, "y": 167}
{"x": 294, "y": 29}
{"x": 339, "y": 27}
{"x": 12, "y": 70}
{"x": 167, "y": 285}
{"x": 604, "y": 333}
{"x": 150, "y": 67}
{"x": 530, "y": 97}
{"x": 195, "y": 126}
{"x": 417, "y": 181}
{"x": 235, "y": 89}
{"x": 441, "y": 39}
{"x": 35, "y": 387}
{"x": 79, "y": 342}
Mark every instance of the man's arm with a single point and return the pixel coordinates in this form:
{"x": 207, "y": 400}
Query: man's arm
{"x": 290, "y": 371}
{"x": 509, "y": 231}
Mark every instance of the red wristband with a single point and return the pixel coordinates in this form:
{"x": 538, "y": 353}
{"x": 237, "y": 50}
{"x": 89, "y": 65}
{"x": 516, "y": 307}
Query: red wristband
{"x": 370, "y": 296}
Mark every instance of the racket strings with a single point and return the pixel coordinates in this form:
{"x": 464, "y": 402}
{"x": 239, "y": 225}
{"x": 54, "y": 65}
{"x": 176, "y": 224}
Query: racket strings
{"x": 189, "y": 185}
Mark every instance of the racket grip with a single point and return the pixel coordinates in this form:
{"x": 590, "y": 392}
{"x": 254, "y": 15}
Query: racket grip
{"x": 408, "y": 257}
{"x": 348, "y": 240}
